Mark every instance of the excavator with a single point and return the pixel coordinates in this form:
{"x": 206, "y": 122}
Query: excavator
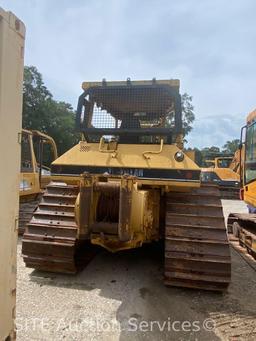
{"x": 129, "y": 182}
{"x": 34, "y": 175}
{"x": 243, "y": 225}
{"x": 225, "y": 172}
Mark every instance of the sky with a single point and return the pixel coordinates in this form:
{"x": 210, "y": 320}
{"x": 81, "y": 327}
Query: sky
{"x": 209, "y": 45}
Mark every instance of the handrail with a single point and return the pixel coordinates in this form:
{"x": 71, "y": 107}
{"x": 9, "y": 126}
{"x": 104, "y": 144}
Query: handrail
{"x": 47, "y": 139}
{"x": 154, "y": 152}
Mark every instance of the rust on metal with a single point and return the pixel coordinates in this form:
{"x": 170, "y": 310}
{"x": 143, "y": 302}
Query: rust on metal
{"x": 50, "y": 239}
{"x": 85, "y": 205}
{"x": 228, "y": 192}
{"x": 197, "y": 251}
{"x": 243, "y": 227}
{"x": 26, "y": 210}
{"x": 125, "y": 208}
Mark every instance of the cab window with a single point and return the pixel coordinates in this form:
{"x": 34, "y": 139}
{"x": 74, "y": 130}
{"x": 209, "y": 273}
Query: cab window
{"x": 250, "y": 154}
{"x": 26, "y": 155}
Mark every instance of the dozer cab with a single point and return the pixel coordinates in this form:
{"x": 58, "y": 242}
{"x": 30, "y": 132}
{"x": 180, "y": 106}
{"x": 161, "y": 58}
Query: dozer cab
{"x": 36, "y": 148}
{"x": 243, "y": 225}
{"x": 224, "y": 171}
{"x": 128, "y": 182}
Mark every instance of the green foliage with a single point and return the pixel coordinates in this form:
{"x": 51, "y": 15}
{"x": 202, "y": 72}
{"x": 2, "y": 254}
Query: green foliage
{"x": 231, "y": 146}
{"x": 209, "y": 153}
{"x": 188, "y": 115}
{"x": 43, "y": 113}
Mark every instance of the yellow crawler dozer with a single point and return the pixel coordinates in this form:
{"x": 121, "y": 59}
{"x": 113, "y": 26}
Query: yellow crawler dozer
{"x": 224, "y": 171}
{"x": 34, "y": 175}
{"x": 129, "y": 182}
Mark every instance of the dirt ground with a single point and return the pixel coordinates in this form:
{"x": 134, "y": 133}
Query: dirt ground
{"x": 122, "y": 297}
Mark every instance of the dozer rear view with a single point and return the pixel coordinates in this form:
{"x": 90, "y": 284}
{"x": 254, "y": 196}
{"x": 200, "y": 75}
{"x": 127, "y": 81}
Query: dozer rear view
{"x": 34, "y": 175}
{"x": 128, "y": 182}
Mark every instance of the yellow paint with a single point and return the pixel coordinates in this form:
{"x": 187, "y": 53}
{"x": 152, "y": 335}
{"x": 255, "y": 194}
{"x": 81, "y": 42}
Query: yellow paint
{"x": 231, "y": 173}
{"x": 138, "y": 197}
{"x": 191, "y": 154}
{"x": 172, "y": 82}
{"x": 251, "y": 117}
{"x": 250, "y": 193}
{"x": 127, "y": 155}
{"x": 12, "y": 35}
{"x": 114, "y": 245}
{"x": 29, "y": 181}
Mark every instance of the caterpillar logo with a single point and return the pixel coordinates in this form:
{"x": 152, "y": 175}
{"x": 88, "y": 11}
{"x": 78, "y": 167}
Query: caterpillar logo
{"x": 123, "y": 171}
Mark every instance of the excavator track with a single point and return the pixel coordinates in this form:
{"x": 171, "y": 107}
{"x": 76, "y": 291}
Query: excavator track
{"x": 197, "y": 251}
{"x": 243, "y": 228}
{"x": 50, "y": 239}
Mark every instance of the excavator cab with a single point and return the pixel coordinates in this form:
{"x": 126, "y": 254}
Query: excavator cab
{"x": 248, "y": 149}
{"x": 243, "y": 226}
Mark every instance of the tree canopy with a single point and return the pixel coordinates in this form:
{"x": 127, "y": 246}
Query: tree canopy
{"x": 57, "y": 119}
{"x": 42, "y": 112}
{"x": 231, "y": 146}
{"x": 188, "y": 115}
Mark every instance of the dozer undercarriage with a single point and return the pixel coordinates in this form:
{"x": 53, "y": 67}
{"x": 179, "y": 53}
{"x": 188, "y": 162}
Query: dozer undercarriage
{"x": 120, "y": 193}
{"x": 196, "y": 246}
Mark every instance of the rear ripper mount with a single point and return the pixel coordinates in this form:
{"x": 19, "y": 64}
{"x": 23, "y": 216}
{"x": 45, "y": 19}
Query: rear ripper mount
{"x": 52, "y": 240}
{"x": 197, "y": 252}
